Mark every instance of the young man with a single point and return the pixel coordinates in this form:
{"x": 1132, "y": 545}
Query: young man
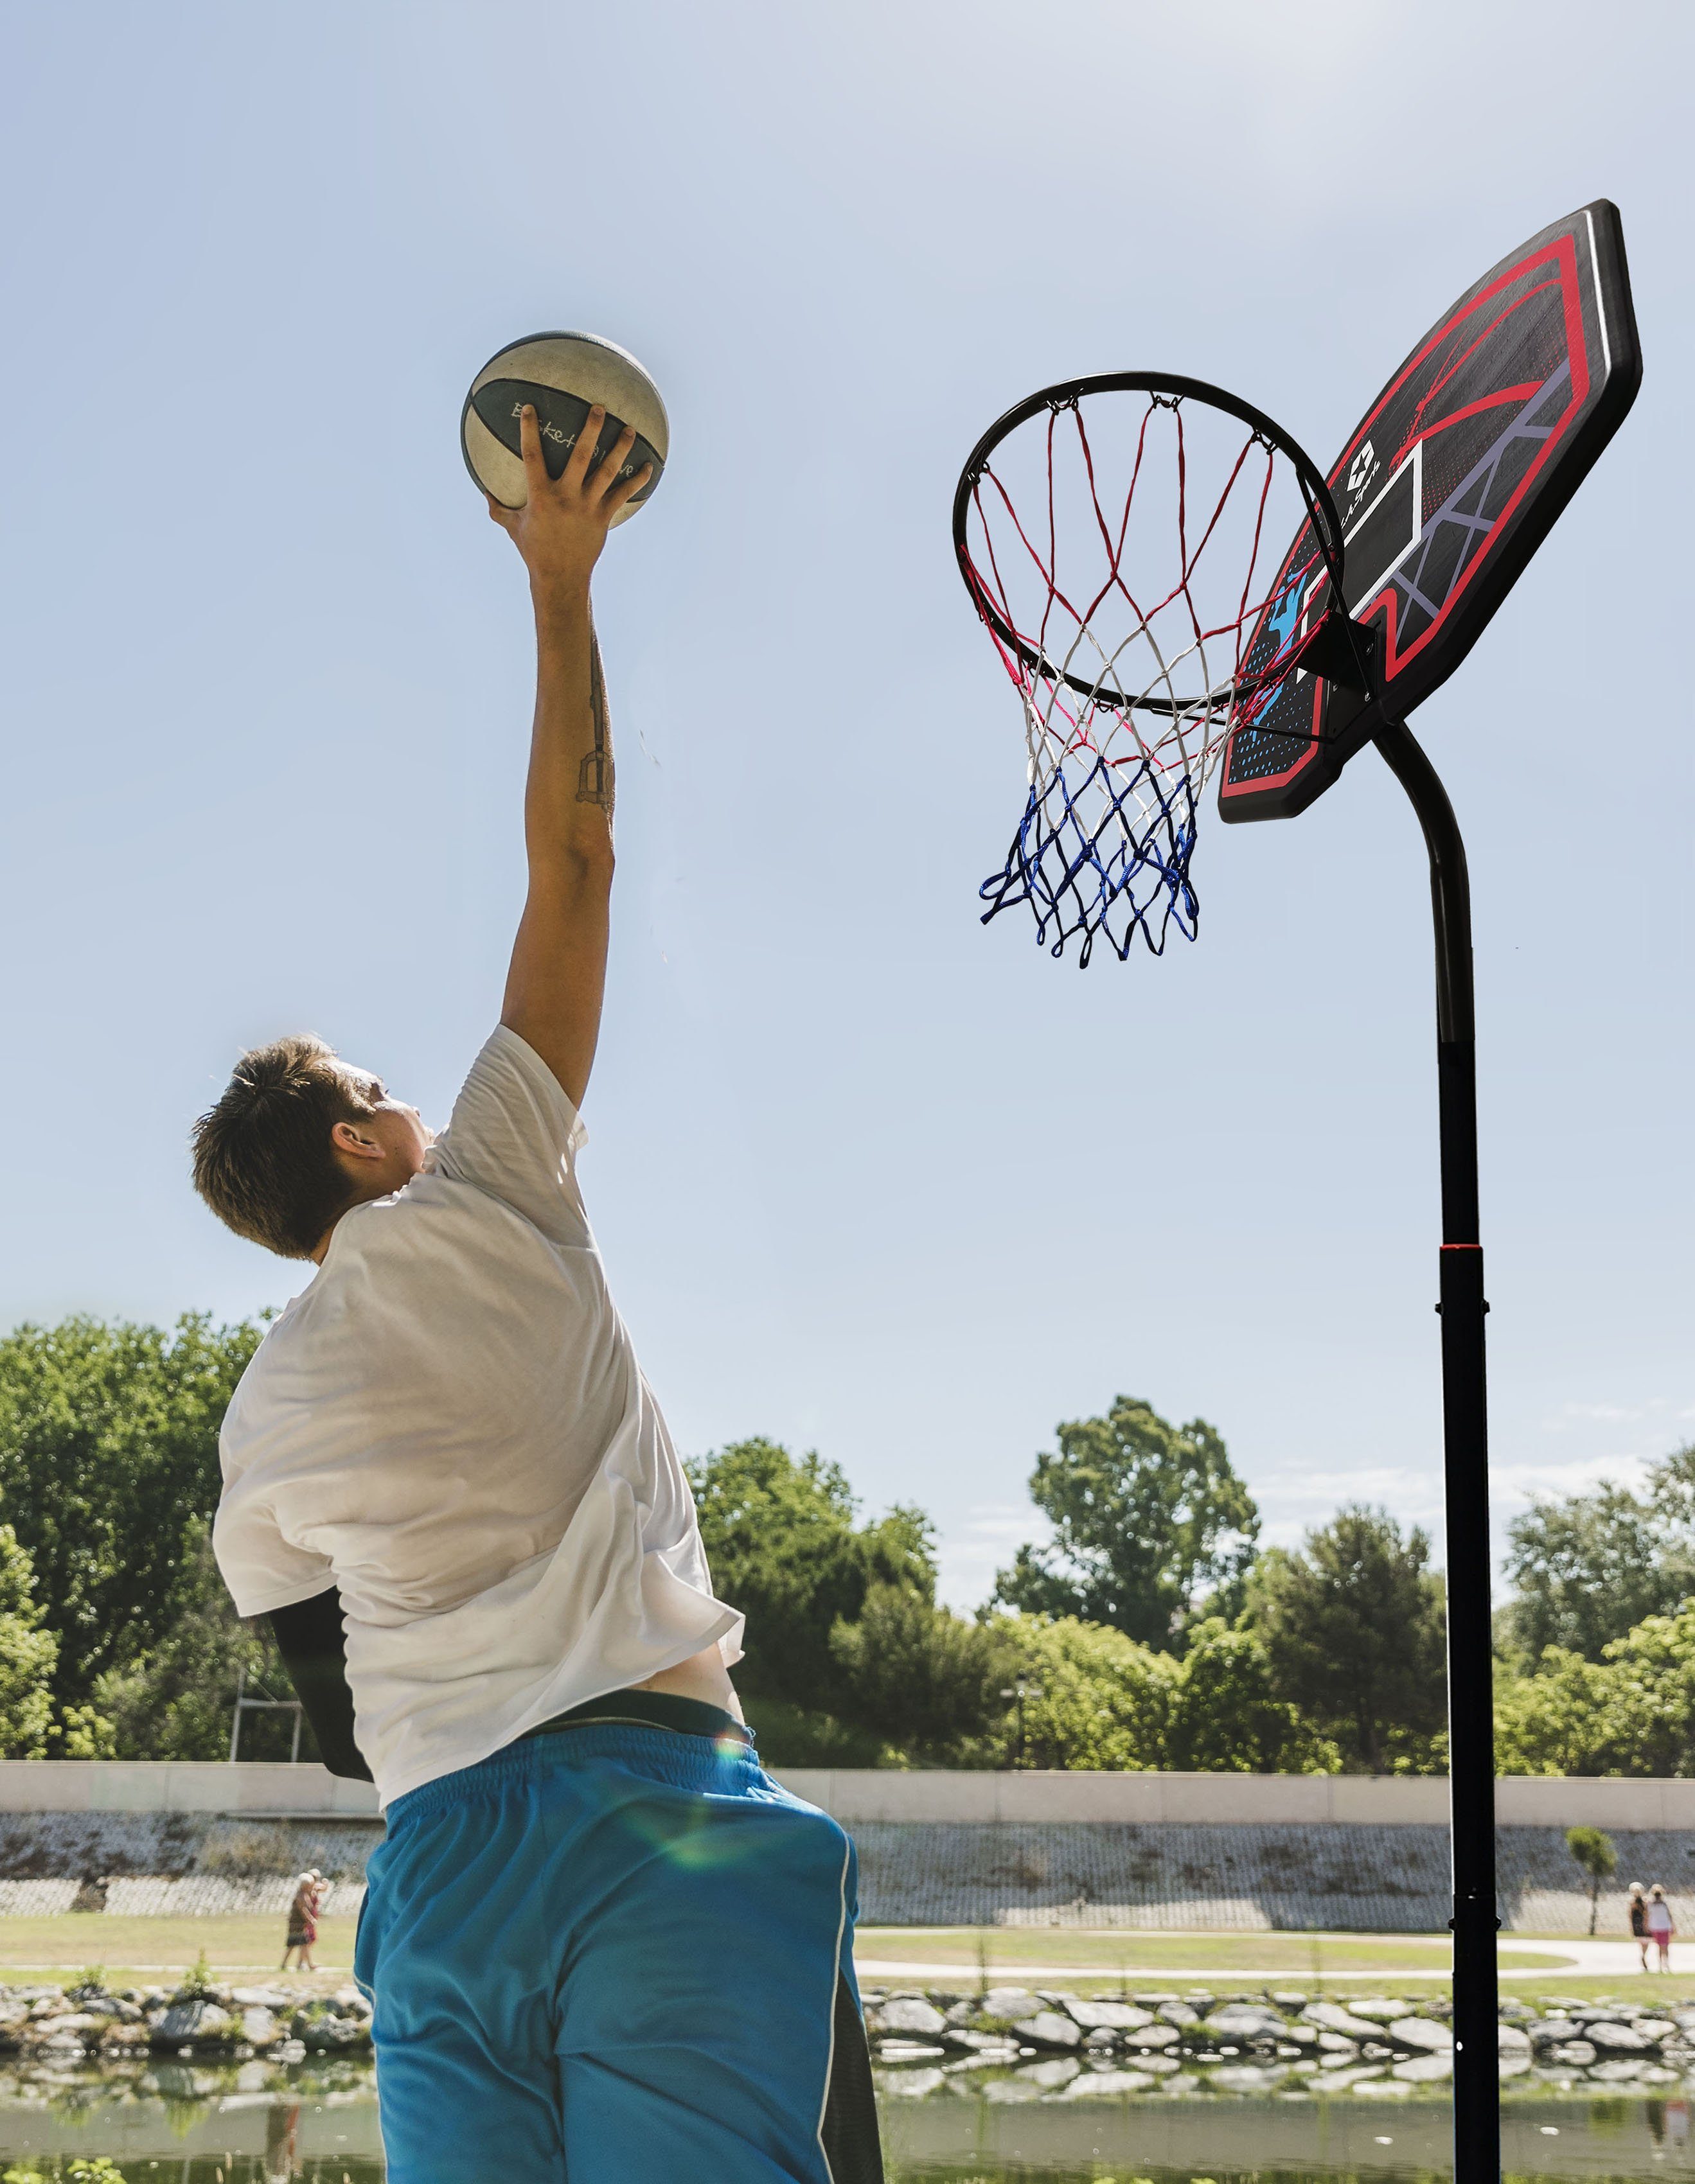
{"x": 600, "y": 1941}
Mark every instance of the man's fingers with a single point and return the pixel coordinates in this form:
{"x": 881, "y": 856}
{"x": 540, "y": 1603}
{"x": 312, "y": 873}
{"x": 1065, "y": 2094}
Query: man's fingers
{"x": 606, "y": 476}
{"x": 576, "y": 469}
{"x": 625, "y": 491}
{"x": 530, "y": 445}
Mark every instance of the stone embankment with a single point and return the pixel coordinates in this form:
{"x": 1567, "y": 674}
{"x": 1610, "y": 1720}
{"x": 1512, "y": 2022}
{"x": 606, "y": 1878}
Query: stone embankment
{"x": 1024, "y": 2044}
{"x": 238, "y": 2024}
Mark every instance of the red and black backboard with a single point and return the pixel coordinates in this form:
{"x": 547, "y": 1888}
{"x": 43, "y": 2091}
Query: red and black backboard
{"x": 1452, "y": 481}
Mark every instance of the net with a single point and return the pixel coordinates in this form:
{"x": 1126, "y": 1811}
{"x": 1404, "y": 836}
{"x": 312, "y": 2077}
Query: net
{"x": 1125, "y": 550}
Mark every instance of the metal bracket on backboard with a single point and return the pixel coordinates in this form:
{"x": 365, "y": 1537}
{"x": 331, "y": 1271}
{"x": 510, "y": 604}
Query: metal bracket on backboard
{"x": 1349, "y": 653}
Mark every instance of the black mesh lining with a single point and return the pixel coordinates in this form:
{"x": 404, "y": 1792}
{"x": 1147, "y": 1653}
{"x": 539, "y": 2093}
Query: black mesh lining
{"x": 849, "y": 2134}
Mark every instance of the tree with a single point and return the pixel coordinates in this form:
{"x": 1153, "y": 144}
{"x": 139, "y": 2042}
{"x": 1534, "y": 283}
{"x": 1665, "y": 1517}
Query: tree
{"x": 176, "y": 1700}
{"x": 1352, "y": 1626}
{"x": 1225, "y": 1717}
{"x": 928, "y": 1681}
{"x": 1093, "y": 1698}
{"x": 1147, "y": 1518}
{"x": 109, "y": 1448}
{"x": 1588, "y": 1568}
{"x": 28, "y": 1655}
{"x": 1592, "y": 1848}
{"x": 783, "y": 1539}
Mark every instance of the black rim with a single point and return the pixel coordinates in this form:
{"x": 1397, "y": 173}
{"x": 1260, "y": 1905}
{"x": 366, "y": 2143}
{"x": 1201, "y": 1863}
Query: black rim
{"x": 1174, "y": 388}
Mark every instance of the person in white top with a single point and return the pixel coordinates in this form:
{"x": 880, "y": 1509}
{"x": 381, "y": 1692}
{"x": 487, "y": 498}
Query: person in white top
{"x": 448, "y": 1486}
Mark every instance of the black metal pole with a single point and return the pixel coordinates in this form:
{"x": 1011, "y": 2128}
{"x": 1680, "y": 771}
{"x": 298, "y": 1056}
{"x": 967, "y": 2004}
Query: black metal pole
{"x": 1465, "y": 1444}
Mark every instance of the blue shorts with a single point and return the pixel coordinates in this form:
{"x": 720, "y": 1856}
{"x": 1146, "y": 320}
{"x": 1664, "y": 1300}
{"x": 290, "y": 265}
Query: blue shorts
{"x": 616, "y": 1952}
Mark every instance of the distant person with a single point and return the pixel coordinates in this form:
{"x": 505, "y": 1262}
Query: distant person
{"x": 1660, "y": 1929}
{"x": 1638, "y": 1906}
{"x": 302, "y": 1922}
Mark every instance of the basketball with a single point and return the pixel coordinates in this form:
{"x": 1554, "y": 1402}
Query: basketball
{"x": 563, "y": 375}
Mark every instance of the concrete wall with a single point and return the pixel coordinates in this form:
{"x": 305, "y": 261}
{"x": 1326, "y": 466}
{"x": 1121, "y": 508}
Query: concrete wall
{"x": 259, "y": 1790}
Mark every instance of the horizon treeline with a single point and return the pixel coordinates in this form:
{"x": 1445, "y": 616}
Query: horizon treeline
{"x": 1149, "y": 1630}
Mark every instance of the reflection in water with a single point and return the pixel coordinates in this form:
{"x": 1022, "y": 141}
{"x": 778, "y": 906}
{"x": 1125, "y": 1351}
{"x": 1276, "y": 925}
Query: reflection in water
{"x": 180, "y": 2122}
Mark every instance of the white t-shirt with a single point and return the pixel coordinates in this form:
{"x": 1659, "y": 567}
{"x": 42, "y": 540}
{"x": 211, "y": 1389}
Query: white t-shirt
{"x": 449, "y": 1424}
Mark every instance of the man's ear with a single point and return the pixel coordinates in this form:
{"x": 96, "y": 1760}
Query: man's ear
{"x": 352, "y": 1143}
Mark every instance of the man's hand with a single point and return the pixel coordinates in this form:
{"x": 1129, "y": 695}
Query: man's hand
{"x": 562, "y": 524}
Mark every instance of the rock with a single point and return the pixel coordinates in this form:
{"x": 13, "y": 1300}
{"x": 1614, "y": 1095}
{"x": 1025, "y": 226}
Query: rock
{"x": 1240, "y": 2020}
{"x": 1516, "y": 2066}
{"x": 261, "y": 1998}
{"x": 961, "y": 2013}
{"x": 908, "y": 2014}
{"x": 1419, "y": 2032}
{"x": 192, "y": 2021}
{"x": 1286, "y": 2000}
{"x": 1048, "y": 2029}
{"x": 1109, "y": 2016}
{"x": 1150, "y": 2037}
{"x": 1002, "y": 2090}
{"x": 1339, "y": 2045}
{"x": 1511, "y": 2040}
{"x": 962, "y": 2036}
{"x": 908, "y": 2051}
{"x": 1578, "y": 2054}
{"x": 1180, "y": 2014}
{"x": 260, "y": 2027}
{"x": 1380, "y": 2010}
{"x": 1618, "y": 2070}
{"x": 1009, "y": 2002}
{"x": 1338, "y": 2082}
{"x": 1101, "y": 2038}
{"x": 1544, "y": 2032}
{"x": 1425, "y": 2070}
{"x": 1613, "y": 2038}
{"x": 1102, "y": 2085}
{"x": 1383, "y": 2089}
{"x": 1656, "y": 2028}
{"x": 1052, "y": 2076}
{"x": 1334, "y": 2019}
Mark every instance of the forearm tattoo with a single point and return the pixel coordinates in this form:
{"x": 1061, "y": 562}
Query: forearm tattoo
{"x": 596, "y": 781}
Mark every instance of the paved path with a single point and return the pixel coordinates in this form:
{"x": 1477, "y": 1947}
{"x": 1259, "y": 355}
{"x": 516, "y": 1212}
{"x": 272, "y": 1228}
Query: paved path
{"x": 1595, "y": 1959}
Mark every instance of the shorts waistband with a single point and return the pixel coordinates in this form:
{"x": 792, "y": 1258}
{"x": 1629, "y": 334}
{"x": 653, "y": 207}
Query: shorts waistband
{"x": 680, "y": 1760}
{"x": 653, "y": 1710}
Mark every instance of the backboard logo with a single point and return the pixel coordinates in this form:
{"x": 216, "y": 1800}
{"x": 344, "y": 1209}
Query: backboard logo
{"x": 1360, "y": 469}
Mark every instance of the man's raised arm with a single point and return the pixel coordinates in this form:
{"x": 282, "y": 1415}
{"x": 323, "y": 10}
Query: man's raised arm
{"x": 558, "y": 974}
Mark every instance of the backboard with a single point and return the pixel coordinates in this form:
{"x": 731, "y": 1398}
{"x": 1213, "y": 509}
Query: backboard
{"x": 1452, "y": 479}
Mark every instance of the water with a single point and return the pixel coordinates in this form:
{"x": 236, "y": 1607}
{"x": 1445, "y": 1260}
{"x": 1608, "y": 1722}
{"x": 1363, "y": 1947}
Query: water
{"x": 316, "y": 2123}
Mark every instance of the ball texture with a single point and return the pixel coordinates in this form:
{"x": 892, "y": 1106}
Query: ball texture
{"x": 564, "y": 375}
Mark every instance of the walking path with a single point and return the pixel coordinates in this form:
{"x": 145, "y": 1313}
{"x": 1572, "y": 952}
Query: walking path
{"x": 1594, "y": 1960}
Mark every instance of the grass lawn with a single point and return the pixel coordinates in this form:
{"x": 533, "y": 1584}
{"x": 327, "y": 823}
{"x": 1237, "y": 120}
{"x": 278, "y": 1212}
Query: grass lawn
{"x": 151, "y": 1951}
{"x": 1306, "y": 1956}
{"x": 142, "y": 1951}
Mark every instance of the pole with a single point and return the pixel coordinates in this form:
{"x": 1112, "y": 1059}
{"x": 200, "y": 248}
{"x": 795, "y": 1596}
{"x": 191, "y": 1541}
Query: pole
{"x": 1465, "y": 1449}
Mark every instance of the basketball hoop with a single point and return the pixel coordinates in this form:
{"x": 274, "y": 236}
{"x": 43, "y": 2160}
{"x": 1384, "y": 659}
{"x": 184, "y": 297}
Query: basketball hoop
{"x": 1125, "y": 558}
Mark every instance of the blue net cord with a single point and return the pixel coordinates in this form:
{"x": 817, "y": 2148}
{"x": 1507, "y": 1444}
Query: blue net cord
{"x": 1107, "y": 856}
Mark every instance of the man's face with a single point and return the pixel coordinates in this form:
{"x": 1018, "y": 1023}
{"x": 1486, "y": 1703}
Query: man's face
{"x": 397, "y": 1135}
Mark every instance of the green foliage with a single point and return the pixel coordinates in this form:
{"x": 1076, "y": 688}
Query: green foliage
{"x": 783, "y": 1539}
{"x": 109, "y": 1447}
{"x": 1352, "y": 1626}
{"x": 176, "y": 1701}
{"x": 929, "y": 1681}
{"x": 1587, "y": 1568}
{"x": 29, "y": 1653}
{"x": 1147, "y": 1518}
{"x": 79, "y": 2169}
{"x": 1226, "y": 1717}
{"x": 1594, "y": 1850}
{"x": 1630, "y": 1713}
{"x": 1094, "y": 1698}
{"x": 790, "y": 1735}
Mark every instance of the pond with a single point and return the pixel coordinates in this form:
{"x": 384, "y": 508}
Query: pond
{"x": 175, "y": 2122}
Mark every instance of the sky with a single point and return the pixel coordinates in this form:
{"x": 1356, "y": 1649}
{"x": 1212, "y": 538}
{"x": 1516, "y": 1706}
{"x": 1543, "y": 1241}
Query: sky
{"x": 868, "y": 1177}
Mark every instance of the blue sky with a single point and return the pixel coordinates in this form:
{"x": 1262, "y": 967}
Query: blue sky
{"x": 868, "y": 1176}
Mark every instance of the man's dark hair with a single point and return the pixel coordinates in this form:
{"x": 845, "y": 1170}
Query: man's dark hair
{"x": 263, "y": 1160}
